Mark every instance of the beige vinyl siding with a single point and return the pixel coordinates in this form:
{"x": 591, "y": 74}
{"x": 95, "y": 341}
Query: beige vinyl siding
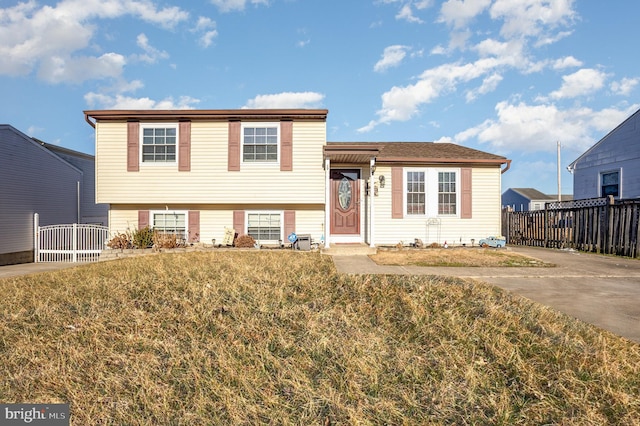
{"x": 485, "y": 221}
{"x": 214, "y": 219}
{"x": 209, "y": 181}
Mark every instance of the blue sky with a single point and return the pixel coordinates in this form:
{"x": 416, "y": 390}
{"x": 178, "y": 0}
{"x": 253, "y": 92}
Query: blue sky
{"x": 510, "y": 77}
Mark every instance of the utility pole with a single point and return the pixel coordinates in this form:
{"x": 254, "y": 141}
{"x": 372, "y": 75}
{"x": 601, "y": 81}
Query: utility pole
{"x": 559, "y": 173}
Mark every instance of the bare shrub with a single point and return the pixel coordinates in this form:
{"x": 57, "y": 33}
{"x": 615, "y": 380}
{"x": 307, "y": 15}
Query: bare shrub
{"x": 245, "y": 241}
{"x": 121, "y": 241}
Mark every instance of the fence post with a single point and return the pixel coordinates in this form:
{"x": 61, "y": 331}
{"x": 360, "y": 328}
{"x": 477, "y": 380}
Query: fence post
{"x": 74, "y": 242}
{"x": 546, "y": 225}
{"x": 610, "y": 202}
{"x": 36, "y": 237}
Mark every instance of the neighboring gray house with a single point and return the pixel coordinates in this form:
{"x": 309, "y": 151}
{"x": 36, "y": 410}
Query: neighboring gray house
{"x": 612, "y": 165}
{"x": 35, "y": 177}
{"x": 526, "y": 199}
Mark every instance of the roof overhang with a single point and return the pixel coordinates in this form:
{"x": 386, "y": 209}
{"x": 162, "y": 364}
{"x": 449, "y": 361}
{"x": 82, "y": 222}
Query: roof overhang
{"x": 350, "y": 153}
{"x": 206, "y": 114}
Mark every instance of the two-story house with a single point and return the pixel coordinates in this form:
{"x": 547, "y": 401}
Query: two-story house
{"x": 269, "y": 173}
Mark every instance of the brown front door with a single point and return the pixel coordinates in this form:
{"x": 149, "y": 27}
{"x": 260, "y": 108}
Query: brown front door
{"x": 345, "y": 201}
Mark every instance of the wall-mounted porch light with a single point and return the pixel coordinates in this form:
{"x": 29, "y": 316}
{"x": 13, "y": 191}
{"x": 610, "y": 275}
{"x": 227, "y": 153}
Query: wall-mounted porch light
{"x": 381, "y": 179}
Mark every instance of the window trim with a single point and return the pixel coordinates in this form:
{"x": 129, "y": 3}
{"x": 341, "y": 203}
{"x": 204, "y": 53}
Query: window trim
{"x": 278, "y": 212}
{"x": 165, "y": 125}
{"x": 431, "y": 191}
{"x": 152, "y": 214}
{"x": 254, "y": 124}
{"x": 456, "y": 174}
{"x": 601, "y": 183}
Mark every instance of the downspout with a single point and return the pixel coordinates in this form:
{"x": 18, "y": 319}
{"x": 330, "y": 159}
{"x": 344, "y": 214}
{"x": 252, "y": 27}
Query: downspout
{"x": 506, "y": 168}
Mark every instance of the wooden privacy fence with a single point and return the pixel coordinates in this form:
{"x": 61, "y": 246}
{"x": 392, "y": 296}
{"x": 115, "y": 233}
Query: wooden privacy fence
{"x": 599, "y": 225}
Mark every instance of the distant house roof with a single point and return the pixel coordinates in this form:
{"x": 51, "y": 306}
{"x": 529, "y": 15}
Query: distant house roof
{"x": 410, "y": 152}
{"x": 532, "y": 194}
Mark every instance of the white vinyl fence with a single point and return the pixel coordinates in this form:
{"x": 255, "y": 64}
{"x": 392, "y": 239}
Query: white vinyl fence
{"x": 68, "y": 243}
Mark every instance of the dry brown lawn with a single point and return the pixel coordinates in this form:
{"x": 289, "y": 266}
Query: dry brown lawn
{"x": 270, "y": 337}
{"x": 459, "y": 256}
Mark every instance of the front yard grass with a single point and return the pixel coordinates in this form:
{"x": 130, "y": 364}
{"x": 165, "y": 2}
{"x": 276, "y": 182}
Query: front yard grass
{"x": 278, "y": 337}
{"x": 459, "y": 256}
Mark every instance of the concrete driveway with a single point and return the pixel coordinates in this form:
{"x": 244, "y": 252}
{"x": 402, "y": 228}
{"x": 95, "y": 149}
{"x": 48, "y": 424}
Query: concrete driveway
{"x": 601, "y": 290}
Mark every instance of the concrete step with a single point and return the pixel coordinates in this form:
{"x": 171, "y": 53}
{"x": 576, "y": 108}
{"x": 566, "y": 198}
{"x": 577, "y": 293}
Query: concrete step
{"x": 349, "y": 250}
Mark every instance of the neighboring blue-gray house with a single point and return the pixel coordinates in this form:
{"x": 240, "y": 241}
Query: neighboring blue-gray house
{"x": 35, "y": 177}
{"x": 612, "y": 165}
{"x": 527, "y": 199}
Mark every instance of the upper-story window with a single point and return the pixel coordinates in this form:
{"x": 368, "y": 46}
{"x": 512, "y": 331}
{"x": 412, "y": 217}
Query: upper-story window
{"x": 260, "y": 143}
{"x": 447, "y": 196}
{"x": 159, "y": 143}
{"x": 610, "y": 184}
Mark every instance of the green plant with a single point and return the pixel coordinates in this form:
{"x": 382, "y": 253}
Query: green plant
{"x": 143, "y": 238}
{"x": 245, "y": 241}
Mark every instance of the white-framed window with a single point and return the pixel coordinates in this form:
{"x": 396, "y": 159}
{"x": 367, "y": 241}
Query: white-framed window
{"x": 265, "y": 226}
{"x": 431, "y": 192}
{"x": 170, "y": 222}
{"x": 610, "y": 183}
{"x": 159, "y": 143}
{"x": 447, "y": 193}
{"x": 416, "y": 193}
{"x": 260, "y": 142}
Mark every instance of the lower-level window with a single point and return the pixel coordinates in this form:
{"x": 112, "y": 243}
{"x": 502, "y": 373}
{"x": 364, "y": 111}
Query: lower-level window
{"x": 264, "y": 226}
{"x": 171, "y": 223}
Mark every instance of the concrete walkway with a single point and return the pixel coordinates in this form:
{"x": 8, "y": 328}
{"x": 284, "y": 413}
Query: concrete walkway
{"x": 601, "y": 290}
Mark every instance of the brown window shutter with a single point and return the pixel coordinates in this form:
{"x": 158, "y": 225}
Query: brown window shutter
{"x": 397, "y": 208}
{"x": 238, "y": 221}
{"x": 143, "y": 219}
{"x": 194, "y": 226}
{"x": 234, "y": 146}
{"x": 133, "y": 146}
{"x": 289, "y": 222}
{"x": 184, "y": 146}
{"x": 286, "y": 146}
{"x": 465, "y": 193}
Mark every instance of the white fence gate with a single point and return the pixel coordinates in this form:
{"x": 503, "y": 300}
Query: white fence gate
{"x": 69, "y": 243}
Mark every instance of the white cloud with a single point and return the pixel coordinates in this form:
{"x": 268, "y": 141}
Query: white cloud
{"x": 625, "y": 86}
{"x": 236, "y": 5}
{"x": 286, "y": 100}
{"x": 531, "y": 17}
{"x": 531, "y": 128}
{"x": 459, "y": 12}
{"x": 391, "y": 57}
{"x": 489, "y": 84}
{"x": 566, "y": 62}
{"x": 151, "y": 54}
{"x": 406, "y": 13}
{"x": 207, "y": 28}
{"x": 125, "y": 102}
{"x": 582, "y": 82}
{"x": 48, "y": 38}
{"x": 58, "y": 69}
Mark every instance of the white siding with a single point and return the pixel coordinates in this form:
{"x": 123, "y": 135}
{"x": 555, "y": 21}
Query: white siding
{"x": 214, "y": 219}
{"x": 209, "y": 182}
{"x": 484, "y": 222}
{"x": 34, "y": 180}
